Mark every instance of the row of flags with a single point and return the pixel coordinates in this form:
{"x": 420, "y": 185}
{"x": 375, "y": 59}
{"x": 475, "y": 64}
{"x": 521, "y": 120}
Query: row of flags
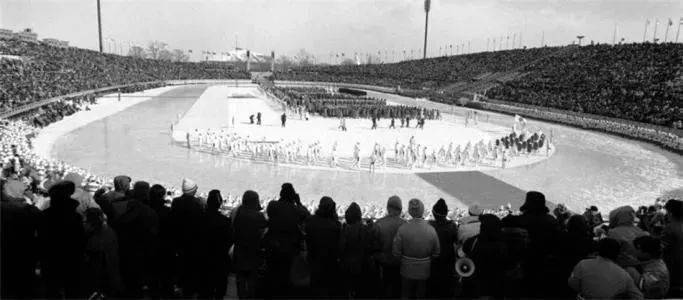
{"x": 666, "y": 34}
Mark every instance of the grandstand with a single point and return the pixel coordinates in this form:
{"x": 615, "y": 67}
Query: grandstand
{"x": 126, "y": 177}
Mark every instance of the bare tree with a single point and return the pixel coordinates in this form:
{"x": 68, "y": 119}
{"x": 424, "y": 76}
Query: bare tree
{"x": 165, "y": 55}
{"x": 303, "y": 58}
{"x": 283, "y": 63}
{"x": 179, "y": 55}
{"x": 137, "y": 51}
{"x": 154, "y": 49}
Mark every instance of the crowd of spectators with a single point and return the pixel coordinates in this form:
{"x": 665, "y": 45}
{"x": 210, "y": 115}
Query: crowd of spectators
{"x": 67, "y": 233}
{"x": 334, "y": 104}
{"x": 136, "y": 240}
{"x": 31, "y": 72}
{"x": 433, "y": 73}
{"x": 639, "y": 82}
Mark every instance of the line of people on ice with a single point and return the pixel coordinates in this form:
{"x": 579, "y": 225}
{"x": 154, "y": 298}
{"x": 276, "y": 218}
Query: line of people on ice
{"x": 410, "y": 154}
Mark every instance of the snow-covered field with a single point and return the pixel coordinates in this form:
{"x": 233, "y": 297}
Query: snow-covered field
{"x": 217, "y": 107}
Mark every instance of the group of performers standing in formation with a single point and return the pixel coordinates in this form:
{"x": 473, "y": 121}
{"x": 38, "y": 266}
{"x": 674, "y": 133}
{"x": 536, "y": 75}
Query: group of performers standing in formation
{"x": 407, "y": 155}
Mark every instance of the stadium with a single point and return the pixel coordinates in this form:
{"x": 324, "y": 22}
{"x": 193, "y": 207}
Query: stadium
{"x": 124, "y": 174}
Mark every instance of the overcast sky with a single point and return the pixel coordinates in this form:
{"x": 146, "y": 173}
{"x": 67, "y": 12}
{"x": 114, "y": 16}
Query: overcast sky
{"x": 332, "y": 26}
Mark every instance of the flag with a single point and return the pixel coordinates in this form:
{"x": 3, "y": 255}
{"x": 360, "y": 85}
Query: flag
{"x": 670, "y": 22}
{"x": 647, "y": 22}
{"x": 189, "y": 51}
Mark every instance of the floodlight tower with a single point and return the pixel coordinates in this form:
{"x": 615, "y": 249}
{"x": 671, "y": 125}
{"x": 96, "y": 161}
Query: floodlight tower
{"x": 428, "y": 5}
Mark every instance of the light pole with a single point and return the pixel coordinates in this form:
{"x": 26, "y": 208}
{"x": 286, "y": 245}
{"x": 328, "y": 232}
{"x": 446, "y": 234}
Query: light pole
{"x": 428, "y": 4}
{"x": 99, "y": 24}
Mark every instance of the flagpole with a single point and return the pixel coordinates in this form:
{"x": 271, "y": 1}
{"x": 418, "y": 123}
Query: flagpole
{"x": 647, "y": 22}
{"x": 654, "y": 34}
{"x": 666, "y": 33}
{"x": 679, "y": 28}
{"x": 614, "y": 34}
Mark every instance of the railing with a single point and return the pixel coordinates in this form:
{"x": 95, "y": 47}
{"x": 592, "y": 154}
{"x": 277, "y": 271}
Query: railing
{"x": 675, "y": 131}
{"x": 32, "y": 106}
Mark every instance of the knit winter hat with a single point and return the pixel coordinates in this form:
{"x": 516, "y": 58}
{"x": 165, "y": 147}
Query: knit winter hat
{"x": 395, "y": 203}
{"x": 415, "y": 208}
{"x": 440, "y": 208}
{"x": 189, "y": 187}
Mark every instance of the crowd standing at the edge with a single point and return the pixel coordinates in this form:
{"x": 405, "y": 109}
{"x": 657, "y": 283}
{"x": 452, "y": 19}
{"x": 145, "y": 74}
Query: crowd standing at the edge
{"x": 69, "y": 234}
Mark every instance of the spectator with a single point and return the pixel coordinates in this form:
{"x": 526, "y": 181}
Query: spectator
{"x": 469, "y": 225}
{"x": 62, "y": 241}
{"x": 623, "y": 229}
{"x": 601, "y": 277}
{"x": 284, "y": 238}
{"x": 543, "y": 231}
{"x": 385, "y": 232}
{"x": 516, "y": 241}
{"x": 19, "y": 223}
{"x": 441, "y": 283}
{"x": 672, "y": 246}
{"x": 101, "y": 277}
{"x": 112, "y": 199}
{"x": 488, "y": 252}
{"x": 249, "y": 225}
{"x": 217, "y": 240}
{"x": 355, "y": 247}
{"x": 137, "y": 227}
{"x": 322, "y": 241}
{"x": 186, "y": 216}
{"x": 650, "y": 274}
{"x": 84, "y": 198}
{"x": 575, "y": 243}
{"x": 593, "y": 216}
{"x": 163, "y": 261}
{"x": 416, "y": 244}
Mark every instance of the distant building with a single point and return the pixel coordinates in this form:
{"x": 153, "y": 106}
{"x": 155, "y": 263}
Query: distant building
{"x": 6, "y": 34}
{"x": 56, "y": 43}
{"x": 27, "y": 35}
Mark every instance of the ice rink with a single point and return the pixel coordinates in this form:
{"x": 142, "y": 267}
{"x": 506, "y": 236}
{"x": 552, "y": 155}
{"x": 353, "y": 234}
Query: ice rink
{"x": 219, "y": 104}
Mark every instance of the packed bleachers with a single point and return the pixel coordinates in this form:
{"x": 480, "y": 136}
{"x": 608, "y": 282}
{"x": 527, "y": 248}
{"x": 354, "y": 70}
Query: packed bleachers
{"x": 37, "y": 71}
{"x": 638, "y": 82}
{"x": 439, "y": 72}
{"x": 70, "y": 234}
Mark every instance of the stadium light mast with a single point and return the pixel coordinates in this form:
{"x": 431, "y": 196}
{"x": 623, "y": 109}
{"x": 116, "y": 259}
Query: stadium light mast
{"x": 428, "y": 6}
{"x": 99, "y": 24}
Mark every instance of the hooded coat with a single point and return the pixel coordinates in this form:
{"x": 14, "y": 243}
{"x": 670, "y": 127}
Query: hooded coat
{"x": 624, "y": 230}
